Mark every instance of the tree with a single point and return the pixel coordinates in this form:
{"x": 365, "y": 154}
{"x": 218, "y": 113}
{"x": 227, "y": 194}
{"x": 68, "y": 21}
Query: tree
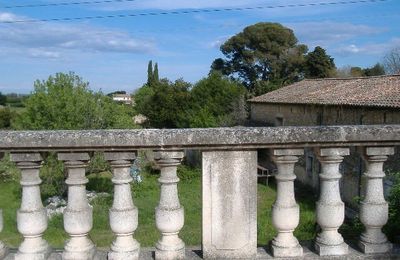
{"x": 262, "y": 52}
{"x": 64, "y": 101}
{"x": 150, "y": 72}
{"x": 391, "y": 61}
{"x": 375, "y": 70}
{"x": 155, "y": 73}
{"x": 216, "y": 101}
{"x": 164, "y": 103}
{"x": 318, "y": 64}
{"x": 3, "y": 99}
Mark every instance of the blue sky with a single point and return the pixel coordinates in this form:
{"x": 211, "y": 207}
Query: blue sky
{"x": 112, "y": 54}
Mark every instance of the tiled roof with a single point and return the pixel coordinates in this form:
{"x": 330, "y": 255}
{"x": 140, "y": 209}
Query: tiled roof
{"x": 381, "y": 91}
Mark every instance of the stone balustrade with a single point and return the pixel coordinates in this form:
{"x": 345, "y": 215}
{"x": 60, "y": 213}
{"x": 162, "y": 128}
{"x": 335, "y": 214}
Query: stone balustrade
{"x": 229, "y": 189}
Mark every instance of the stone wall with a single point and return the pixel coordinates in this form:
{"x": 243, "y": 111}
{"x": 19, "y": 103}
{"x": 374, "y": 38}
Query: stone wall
{"x": 298, "y": 114}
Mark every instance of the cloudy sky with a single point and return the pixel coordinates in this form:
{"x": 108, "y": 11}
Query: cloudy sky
{"x": 112, "y": 53}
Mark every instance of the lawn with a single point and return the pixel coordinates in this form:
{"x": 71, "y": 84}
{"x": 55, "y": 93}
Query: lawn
{"x": 146, "y": 196}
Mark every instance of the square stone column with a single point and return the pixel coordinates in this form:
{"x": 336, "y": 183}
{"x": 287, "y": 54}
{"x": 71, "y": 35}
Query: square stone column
{"x": 229, "y": 204}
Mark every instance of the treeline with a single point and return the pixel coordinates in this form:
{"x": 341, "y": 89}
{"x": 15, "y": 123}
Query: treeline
{"x": 213, "y": 101}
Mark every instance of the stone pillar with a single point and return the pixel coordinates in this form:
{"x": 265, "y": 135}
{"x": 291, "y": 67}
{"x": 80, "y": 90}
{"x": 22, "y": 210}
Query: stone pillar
{"x": 229, "y": 204}
{"x": 374, "y": 209}
{"x": 78, "y": 215}
{"x": 123, "y": 213}
{"x": 285, "y": 211}
{"x": 3, "y": 248}
{"x": 330, "y": 207}
{"x": 31, "y": 217}
{"x": 169, "y": 212}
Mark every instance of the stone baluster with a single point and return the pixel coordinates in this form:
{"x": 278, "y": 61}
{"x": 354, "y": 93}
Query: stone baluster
{"x": 31, "y": 217}
{"x": 169, "y": 212}
{"x": 374, "y": 209}
{"x": 3, "y": 248}
{"x": 330, "y": 207}
{"x": 285, "y": 211}
{"x": 123, "y": 214}
{"x": 78, "y": 215}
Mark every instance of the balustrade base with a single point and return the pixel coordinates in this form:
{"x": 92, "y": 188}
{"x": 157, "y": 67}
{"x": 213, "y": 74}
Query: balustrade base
{"x": 327, "y": 250}
{"x": 286, "y": 251}
{"x": 369, "y": 248}
{"x": 37, "y": 256}
{"x": 123, "y": 255}
{"x": 195, "y": 253}
{"x": 3, "y": 250}
{"x": 162, "y": 252}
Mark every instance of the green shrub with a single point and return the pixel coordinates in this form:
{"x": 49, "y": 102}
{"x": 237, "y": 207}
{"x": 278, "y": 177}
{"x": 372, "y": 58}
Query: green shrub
{"x": 98, "y": 164}
{"x": 8, "y": 169}
{"x": 392, "y": 228}
{"x": 52, "y": 175}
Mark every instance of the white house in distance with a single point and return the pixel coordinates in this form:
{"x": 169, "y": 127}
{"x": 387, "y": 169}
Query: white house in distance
{"x": 123, "y": 98}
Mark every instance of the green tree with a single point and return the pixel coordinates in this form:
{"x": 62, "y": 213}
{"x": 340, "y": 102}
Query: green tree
{"x": 155, "y": 73}
{"x": 216, "y": 102}
{"x": 3, "y": 99}
{"x": 262, "y": 52}
{"x": 150, "y": 73}
{"x": 164, "y": 103}
{"x": 318, "y": 64}
{"x": 375, "y": 70}
{"x": 6, "y": 117}
{"x": 64, "y": 101}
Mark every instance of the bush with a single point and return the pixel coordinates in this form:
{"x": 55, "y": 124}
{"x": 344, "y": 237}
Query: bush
{"x": 98, "y": 164}
{"x": 392, "y": 228}
{"x": 8, "y": 169}
{"x": 52, "y": 174}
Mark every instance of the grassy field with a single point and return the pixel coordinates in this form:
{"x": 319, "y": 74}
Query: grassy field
{"x": 146, "y": 196}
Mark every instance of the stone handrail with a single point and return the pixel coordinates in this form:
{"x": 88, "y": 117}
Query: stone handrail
{"x": 229, "y": 179}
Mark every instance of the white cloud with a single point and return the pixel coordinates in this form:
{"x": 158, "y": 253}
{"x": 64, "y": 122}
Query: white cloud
{"x": 49, "y": 40}
{"x": 327, "y": 33}
{"x": 368, "y": 48}
{"x": 7, "y": 17}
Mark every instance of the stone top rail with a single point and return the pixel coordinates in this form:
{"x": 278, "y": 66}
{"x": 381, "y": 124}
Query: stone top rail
{"x": 200, "y": 138}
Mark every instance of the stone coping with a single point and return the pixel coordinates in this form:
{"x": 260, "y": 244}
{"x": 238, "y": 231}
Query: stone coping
{"x": 200, "y": 138}
{"x": 194, "y": 252}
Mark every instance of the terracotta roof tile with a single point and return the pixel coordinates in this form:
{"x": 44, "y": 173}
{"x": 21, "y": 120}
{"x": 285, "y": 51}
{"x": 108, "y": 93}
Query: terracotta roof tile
{"x": 382, "y": 91}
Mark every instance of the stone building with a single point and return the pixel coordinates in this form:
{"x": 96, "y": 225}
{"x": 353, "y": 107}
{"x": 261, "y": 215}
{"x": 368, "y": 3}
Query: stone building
{"x": 316, "y": 102}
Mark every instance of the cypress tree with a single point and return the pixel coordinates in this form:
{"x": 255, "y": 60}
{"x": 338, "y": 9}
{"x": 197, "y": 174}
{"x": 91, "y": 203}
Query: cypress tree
{"x": 150, "y": 75}
{"x": 155, "y": 73}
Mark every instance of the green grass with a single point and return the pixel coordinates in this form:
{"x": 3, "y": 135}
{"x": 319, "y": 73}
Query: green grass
{"x": 146, "y": 196}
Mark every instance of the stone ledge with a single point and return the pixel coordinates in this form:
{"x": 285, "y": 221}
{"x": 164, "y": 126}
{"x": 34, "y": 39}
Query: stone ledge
{"x": 262, "y": 253}
{"x": 201, "y": 138}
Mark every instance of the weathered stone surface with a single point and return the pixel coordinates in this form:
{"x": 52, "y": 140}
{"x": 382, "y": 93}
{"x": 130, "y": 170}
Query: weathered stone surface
{"x": 374, "y": 210}
{"x": 169, "y": 212}
{"x": 285, "y": 210}
{"x": 31, "y": 217}
{"x": 254, "y": 137}
{"x": 123, "y": 213}
{"x": 230, "y": 204}
{"x": 330, "y": 207}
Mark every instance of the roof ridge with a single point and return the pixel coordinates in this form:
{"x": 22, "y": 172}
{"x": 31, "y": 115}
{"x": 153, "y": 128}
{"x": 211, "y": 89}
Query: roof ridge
{"x": 352, "y": 78}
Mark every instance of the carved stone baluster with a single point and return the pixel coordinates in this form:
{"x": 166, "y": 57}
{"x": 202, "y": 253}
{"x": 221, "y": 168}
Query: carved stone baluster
{"x": 374, "y": 209}
{"x": 330, "y": 207}
{"x": 31, "y": 217}
{"x": 169, "y": 212}
{"x": 78, "y": 215}
{"x": 3, "y": 248}
{"x": 123, "y": 214}
{"x": 285, "y": 211}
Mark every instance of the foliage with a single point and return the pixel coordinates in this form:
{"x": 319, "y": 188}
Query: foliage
{"x": 98, "y": 164}
{"x": 318, "y": 64}
{"x": 375, "y": 70}
{"x": 6, "y": 117}
{"x": 64, "y": 101}
{"x": 152, "y": 73}
{"x": 52, "y": 175}
{"x": 3, "y": 99}
{"x": 8, "y": 169}
{"x": 348, "y": 71}
{"x": 392, "y": 228}
{"x": 391, "y": 61}
{"x": 262, "y": 52}
{"x": 164, "y": 103}
{"x": 214, "y": 101}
